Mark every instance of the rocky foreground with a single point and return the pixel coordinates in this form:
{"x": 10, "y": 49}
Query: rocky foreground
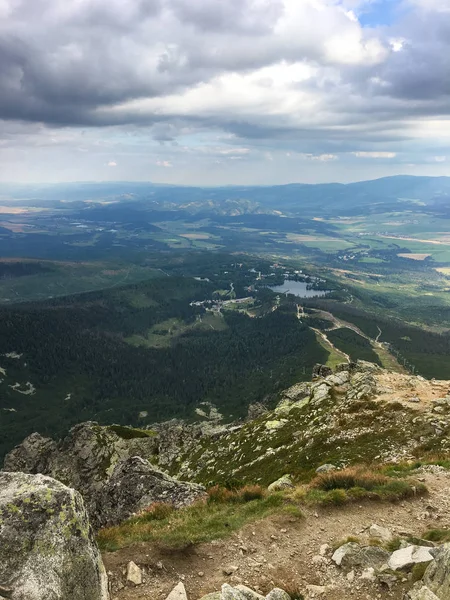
{"x": 358, "y": 414}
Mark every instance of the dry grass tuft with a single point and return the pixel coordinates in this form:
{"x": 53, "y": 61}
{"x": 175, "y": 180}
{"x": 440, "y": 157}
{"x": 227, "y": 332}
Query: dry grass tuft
{"x": 351, "y": 477}
{"x": 221, "y": 495}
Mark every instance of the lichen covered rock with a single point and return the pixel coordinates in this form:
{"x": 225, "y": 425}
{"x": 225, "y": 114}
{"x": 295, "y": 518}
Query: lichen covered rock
{"x": 437, "y": 575}
{"x": 47, "y": 548}
{"x": 354, "y": 555}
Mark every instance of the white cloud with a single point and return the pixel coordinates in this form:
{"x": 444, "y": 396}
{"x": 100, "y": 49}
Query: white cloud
{"x": 164, "y": 163}
{"x": 323, "y": 157}
{"x": 112, "y": 163}
{"x": 440, "y": 159}
{"x": 375, "y": 154}
{"x": 397, "y": 44}
{"x": 230, "y": 151}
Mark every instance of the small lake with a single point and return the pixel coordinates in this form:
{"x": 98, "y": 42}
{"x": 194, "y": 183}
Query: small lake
{"x": 299, "y": 289}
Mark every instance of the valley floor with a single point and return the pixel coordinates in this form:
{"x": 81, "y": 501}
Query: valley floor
{"x": 281, "y": 550}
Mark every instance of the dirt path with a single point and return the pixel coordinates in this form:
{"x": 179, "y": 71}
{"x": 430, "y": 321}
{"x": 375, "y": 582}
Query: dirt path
{"x": 281, "y": 549}
{"x": 405, "y": 388}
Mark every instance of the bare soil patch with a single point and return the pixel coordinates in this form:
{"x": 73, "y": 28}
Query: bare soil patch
{"x": 282, "y": 548}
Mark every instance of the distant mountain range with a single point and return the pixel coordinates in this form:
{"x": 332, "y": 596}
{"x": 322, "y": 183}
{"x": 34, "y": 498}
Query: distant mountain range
{"x": 380, "y": 195}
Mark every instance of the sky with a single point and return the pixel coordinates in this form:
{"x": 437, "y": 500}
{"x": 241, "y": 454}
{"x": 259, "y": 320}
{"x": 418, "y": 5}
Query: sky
{"x": 214, "y": 92}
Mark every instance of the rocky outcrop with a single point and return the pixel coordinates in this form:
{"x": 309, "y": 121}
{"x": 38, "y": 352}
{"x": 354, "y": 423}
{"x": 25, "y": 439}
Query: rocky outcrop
{"x": 47, "y": 548}
{"x": 437, "y": 575}
{"x": 101, "y": 463}
{"x": 33, "y": 455}
{"x": 321, "y": 371}
{"x": 84, "y": 459}
{"x": 136, "y": 484}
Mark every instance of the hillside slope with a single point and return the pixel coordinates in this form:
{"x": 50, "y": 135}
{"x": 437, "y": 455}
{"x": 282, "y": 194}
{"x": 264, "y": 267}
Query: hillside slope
{"x": 392, "y": 423}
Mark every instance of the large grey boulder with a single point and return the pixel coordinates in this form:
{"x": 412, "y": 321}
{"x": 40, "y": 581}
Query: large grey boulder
{"x": 405, "y": 558}
{"x": 47, "y": 548}
{"x": 135, "y": 485}
{"x": 354, "y": 555}
{"x": 437, "y": 575}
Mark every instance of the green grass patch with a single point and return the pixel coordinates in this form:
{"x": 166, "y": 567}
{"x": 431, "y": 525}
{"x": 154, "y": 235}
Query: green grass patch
{"x": 201, "y": 522}
{"x": 131, "y": 433}
{"x": 437, "y": 535}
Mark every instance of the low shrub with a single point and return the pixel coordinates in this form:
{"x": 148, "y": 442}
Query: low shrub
{"x": 349, "y": 539}
{"x": 251, "y": 492}
{"x": 418, "y": 572}
{"x": 437, "y": 535}
{"x": 393, "y": 544}
{"x": 336, "y": 497}
{"x": 221, "y": 495}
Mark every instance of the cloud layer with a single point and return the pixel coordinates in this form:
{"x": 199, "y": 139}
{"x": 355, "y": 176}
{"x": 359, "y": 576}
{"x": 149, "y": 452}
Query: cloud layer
{"x": 145, "y": 84}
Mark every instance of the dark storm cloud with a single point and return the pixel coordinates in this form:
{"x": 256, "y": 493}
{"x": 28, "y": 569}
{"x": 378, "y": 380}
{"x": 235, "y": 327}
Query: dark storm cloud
{"x": 421, "y": 71}
{"x": 69, "y": 62}
{"x": 61, "y": 61}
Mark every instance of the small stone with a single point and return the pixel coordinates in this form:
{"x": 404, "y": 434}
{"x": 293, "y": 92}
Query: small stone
{"x": 134, "y": 573}
{"x": 248, "y": 593}
{"x": 380, "y": 533}
{"x": 283, "y": 483}
{"x": 315, "y": 591}
{"x": 368, "y": 574}
{"x": 229, "y": 569}
{"x": 326, "y": 468}
{"x": 178, "y": 593}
